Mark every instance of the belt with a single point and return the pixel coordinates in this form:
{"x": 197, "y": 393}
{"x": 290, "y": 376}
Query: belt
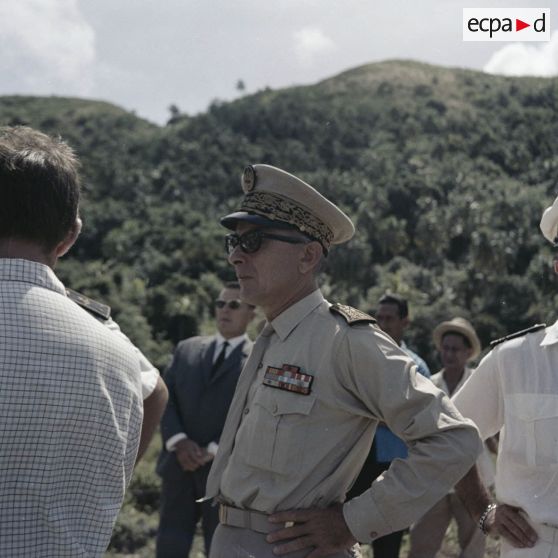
{"x": 248, "y": 519}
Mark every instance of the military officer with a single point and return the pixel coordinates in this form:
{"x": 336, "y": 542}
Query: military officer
{"x": 514, "y": 391}
{"x": 318, "y": 381}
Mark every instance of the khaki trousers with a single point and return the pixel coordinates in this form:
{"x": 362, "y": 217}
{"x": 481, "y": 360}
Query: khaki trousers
{"x": 427, "y": 534}
{"x": 237, "y": 542}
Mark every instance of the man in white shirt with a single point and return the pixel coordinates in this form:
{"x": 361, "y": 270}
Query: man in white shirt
{"x": 201, "y": 381}
{"x": 514, "y": 391}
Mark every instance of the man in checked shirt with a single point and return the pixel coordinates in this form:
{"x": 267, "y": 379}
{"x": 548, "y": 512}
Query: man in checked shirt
{"x": 70, "y": 391}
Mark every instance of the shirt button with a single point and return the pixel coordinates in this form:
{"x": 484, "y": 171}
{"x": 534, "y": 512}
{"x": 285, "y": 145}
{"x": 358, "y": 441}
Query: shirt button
{"x": 260, "y": 365}
{"x": 246, "y": 411}
{"x": 373, "y": 534}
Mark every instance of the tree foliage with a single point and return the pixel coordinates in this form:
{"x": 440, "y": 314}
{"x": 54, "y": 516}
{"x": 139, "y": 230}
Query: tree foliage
{"x": 444, "y": 171}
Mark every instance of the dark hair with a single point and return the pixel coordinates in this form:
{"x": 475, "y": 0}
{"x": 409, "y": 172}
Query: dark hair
{"x": 459, "y": 334}
{"x": 39, "y": 186}
{"x": 399, "y": 301}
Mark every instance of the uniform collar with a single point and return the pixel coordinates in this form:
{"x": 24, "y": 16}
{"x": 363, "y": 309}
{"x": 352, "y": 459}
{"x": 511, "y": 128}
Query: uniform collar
{"x": 284, "y": 324}
{"x": 27, "y": 271}
{"x": 551, "y": 335}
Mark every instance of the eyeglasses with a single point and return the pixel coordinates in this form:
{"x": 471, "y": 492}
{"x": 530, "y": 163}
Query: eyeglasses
{"x": 234, "y": 304}
{"x": 251, "y": 241}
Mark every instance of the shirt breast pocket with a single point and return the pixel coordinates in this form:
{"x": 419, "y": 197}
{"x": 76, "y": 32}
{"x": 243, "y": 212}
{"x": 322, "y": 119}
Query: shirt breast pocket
{"x": 280, "y": 436}
{"x": 532, "y": 429}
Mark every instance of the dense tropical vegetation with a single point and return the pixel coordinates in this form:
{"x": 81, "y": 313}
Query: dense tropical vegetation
{"x": 444, "y": 171}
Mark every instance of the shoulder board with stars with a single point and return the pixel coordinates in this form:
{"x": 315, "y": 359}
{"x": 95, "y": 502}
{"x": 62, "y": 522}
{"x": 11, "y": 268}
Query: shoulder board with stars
{"x": 98, "y": 309}
{"x": 517, "y": 334}
{"x": 351, "y": 315}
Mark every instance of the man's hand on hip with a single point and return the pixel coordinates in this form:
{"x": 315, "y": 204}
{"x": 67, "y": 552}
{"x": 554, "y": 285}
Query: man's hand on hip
{"x": 190, "y": 456}
{"x": 510, "y": 522}
{"x": 323, "y": 531}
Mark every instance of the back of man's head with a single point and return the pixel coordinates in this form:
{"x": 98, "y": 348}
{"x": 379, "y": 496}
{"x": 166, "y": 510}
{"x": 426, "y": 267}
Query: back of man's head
{"x": 39, "y": 187}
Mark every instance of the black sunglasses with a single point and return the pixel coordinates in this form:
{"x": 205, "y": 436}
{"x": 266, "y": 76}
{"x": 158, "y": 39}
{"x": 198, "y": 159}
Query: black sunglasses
{"x": 251, "y": 241}
{"x": 234, "y": 304}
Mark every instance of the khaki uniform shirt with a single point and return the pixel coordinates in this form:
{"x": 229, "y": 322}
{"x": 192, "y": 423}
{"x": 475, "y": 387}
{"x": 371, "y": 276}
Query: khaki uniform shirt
{"x": 300, "y": 451}
{"x": 515, "y": 390}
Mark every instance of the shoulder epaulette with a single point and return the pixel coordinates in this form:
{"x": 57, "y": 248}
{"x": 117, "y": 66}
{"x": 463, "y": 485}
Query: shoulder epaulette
{"x": 521, "y": 333}
{"x": 98, "y": 309}
{"x": 351, "y": 315}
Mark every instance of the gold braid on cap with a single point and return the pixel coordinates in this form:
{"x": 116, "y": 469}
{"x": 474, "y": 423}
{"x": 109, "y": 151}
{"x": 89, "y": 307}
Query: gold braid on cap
{"x": 278, "y": 208}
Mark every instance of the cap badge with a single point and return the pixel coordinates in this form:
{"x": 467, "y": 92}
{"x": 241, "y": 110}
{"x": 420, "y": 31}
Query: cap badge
{"x": 249, "y": 179}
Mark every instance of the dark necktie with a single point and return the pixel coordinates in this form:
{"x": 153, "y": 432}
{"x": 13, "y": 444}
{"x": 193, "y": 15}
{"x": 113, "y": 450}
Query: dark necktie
{"x": 220, "y": 358}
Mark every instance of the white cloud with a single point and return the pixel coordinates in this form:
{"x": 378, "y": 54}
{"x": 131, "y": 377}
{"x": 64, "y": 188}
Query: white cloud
{"x": 311, "y": 41}
{"x": 521, "y": 59}
{"x": 47, "y": 47}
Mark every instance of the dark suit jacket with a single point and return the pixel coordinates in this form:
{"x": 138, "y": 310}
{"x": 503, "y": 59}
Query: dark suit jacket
{"x": 198, "y": 403}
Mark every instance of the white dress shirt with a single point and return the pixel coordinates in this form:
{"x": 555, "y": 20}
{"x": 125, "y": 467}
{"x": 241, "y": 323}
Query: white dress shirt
{"x": 514, "y": 391}
{"x": 485, "y": 461}
{"x": 233, "y": 342}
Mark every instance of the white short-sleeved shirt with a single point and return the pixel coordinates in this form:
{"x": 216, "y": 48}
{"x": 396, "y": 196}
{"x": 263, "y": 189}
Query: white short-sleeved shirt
{"x": 515, "y": 391}
{"x": 71, "y": 412}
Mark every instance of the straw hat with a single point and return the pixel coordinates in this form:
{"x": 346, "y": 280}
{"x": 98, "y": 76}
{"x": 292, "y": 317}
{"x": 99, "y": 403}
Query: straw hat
{"x": 458, "y": 325}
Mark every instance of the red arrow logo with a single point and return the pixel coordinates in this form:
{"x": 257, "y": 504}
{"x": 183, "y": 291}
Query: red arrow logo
{"x": 519, "y": 25}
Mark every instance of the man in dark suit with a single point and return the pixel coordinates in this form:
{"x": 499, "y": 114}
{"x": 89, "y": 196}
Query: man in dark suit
{"x": 201, "y": 381}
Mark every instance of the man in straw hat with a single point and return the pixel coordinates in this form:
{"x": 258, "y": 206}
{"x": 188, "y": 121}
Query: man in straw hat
{"x": 514, "y": 391}
{"x": 319, "y": 379}
{"x": 458, "y": 345}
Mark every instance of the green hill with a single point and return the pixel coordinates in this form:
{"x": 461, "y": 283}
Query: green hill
{"x": 444, "y": 171}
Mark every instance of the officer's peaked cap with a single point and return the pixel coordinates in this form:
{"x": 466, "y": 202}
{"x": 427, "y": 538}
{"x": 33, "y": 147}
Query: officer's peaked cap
{"x": 278, "y": 199}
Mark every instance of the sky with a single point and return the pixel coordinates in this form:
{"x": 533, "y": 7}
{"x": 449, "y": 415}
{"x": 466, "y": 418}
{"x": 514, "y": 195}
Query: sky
{"x": 145, "y": 55}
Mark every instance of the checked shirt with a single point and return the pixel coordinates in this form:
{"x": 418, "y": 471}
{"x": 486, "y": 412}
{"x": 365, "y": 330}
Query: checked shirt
{"x": 70, "y": 419}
